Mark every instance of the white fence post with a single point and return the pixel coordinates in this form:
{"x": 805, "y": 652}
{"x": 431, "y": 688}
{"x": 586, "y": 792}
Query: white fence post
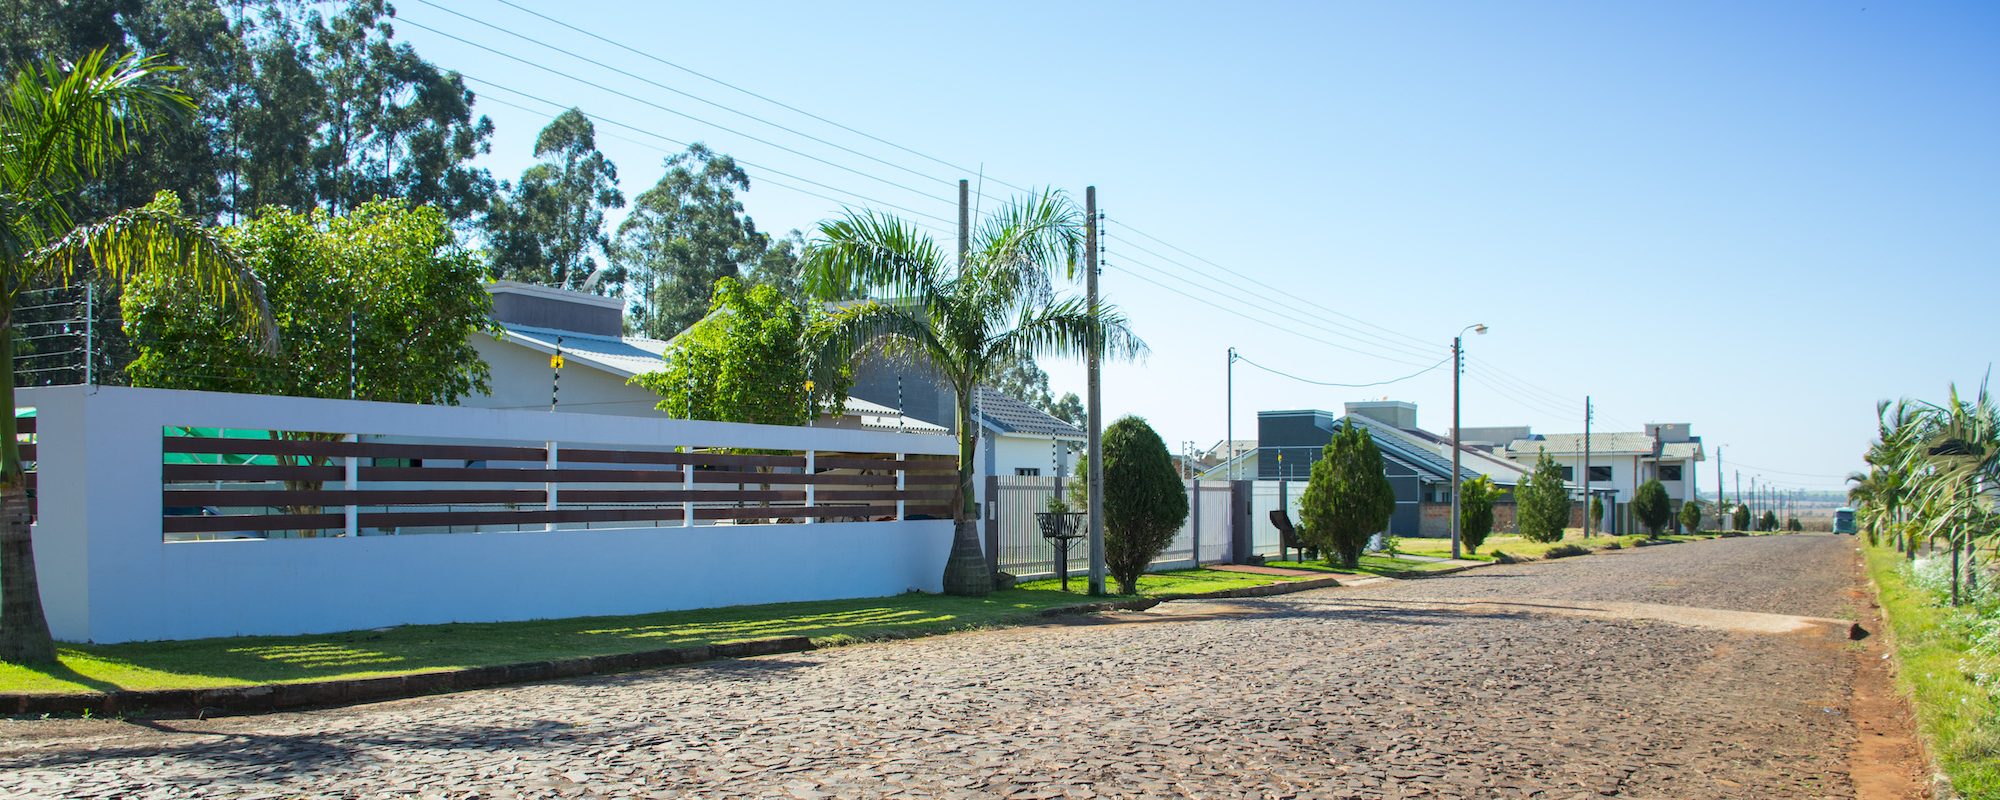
{"x": 687, "y": 486}
{"x": 550, "y": 487}
{"x": 353, "y": 483}
{"x": 1194, "y": 518}
{"x": 810, "y": 487}
{"x": 902, "y": 472}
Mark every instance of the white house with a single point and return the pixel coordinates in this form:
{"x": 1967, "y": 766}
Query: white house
{"x": 1621, "y": 461}
{"x": 599, "y": 361}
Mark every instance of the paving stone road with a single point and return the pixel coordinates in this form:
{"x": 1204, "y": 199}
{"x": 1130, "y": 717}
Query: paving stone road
{"x": 1371, "y": 691}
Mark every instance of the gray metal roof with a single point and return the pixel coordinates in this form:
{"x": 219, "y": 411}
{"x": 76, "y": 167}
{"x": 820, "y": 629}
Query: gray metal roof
{"x": 1412, "y": 451}
{"x": 622, "y": 356}
{"x": 1009, "y": 415}
{"x": 1559, "y": 444}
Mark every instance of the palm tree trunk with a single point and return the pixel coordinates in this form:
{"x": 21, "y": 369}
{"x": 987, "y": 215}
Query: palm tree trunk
{"x": 1954, "y": 572}
{"x": 24, "y": 629}
{"x": 965, "y": 570}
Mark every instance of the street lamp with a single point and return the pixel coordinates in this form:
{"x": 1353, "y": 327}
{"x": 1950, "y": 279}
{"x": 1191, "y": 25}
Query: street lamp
{"x": 1457, "y": 367}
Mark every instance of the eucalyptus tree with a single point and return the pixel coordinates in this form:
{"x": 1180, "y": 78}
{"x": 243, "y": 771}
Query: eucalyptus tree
{"x": 61, "y": 127}
{"x": 549, "y": 228}
{"x": 966, "y": 316}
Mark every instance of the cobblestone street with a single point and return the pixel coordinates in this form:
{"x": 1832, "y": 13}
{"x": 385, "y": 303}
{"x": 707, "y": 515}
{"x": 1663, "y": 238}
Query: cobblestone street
{"x": 1398, "y": 689}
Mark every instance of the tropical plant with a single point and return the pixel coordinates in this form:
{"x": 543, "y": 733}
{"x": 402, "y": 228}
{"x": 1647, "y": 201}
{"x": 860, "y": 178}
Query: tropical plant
{"x": 378, "y": 304}
{"x": 748, "y": 361}
{"x": 60, "y": 126}
{"x": 1144, "y": 500}
{"x": 1651, "y": 506}
{"x": 1542, "y": 504}
{"x": 1960, "y": 475}
{"x": 1691, "y": 516}
{"x": 1475, "y": 512}
{"x": 964, "y": 316}
{"x": 1347, "y": 499}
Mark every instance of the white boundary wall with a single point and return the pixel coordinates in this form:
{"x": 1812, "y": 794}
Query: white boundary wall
{"x": 107, "y": 575}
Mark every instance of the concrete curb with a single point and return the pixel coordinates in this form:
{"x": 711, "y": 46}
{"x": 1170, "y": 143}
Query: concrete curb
{"x": 262, "y": 698}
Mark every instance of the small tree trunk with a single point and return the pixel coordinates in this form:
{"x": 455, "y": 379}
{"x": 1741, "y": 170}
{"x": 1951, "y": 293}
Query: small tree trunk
{"x": 24, "y": 629}
{"x": 1954, "y": 573}
{"x": 965, "y": 569}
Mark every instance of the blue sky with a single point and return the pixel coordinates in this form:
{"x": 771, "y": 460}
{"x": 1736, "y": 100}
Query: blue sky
{"x": 1758, "y": 218}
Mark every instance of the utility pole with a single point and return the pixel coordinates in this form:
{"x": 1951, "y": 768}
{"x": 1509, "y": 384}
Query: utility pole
{"x": 1719, "y": 486}
{"x": 1095, "y": 407}
{"x": 1229, "y": 414}
{"x": 1457, "y": 368}
{"x": 1586, "y": 466}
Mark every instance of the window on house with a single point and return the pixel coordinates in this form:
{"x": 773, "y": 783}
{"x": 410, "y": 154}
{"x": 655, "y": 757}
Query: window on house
{"x": 1670, "y": 472}
{"x": 1569, "y": 473}
{"x": 1598, "y": 473}
{"x": 1028, "y": 472}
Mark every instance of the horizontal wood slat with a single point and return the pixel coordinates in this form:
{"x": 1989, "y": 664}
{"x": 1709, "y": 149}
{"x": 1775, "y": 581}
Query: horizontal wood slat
{"x": 594, "y": 456}
{"x": 249, "y": 472}
{"x": 24, "y": 424}
{"x": 27, "y": 452}
{"x": 301, "y": 447}
{"x": 411, "y": 519}
{"x": 364, "y": 497}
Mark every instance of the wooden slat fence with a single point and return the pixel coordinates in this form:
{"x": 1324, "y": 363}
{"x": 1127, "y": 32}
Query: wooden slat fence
{"x": 312, "y": 483}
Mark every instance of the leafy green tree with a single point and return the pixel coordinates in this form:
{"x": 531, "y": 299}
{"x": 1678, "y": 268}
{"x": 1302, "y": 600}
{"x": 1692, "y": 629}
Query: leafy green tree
{"x": 1769, "y": 522}
{"x": 60, "y": 128}
{"x": 1069, "y": 408}
{"x": 1596, "y": 513}
{"x": 378, "y": 304}
{"x": 1740, "y": 518}
{"x": 1475, "y": 512}
{"x": 1144, "y": 500}
{"x": 1794, "y": 526}
{"x": 1651, "y": 506}
{"x": 1541, "y": 504}
{"x": 549, "y": 229}
{"x": 748, "y": 361}
{"x": 686, "y": 233}
{"x": 963, "y": 316}
{"x": 1691, "y": 516}
{"x": 1348, "y": 498}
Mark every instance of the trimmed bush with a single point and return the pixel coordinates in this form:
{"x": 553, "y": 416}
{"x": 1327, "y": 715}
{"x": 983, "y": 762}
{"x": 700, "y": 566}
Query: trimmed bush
{"x": 1144, "y": 500}
{"x": 1541, "y": 504}
{"x": 1348, "y": 498}
{"x": 1475, "y": 512}
{"x": 1652, "y": 507}
{"x": 1691, "y": 516}
{"x": 1740, "y": 518}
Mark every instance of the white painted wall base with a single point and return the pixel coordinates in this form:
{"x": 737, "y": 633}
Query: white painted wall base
{"x": 108, "y": 576}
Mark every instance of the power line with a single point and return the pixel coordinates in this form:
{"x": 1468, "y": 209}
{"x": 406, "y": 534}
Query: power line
{"x": 1440, "y": 363}
{"x": 636, "y": 99}
{"x": 1320, "y": 306}
{"x": 643, "y": 132}
{"x": 1280, "y": 300}
{"x": 697, "y": 98}
{"x": 734, "y": 87}
{"x": 1739, "y": 463}
{"x": 1258, "y": 320}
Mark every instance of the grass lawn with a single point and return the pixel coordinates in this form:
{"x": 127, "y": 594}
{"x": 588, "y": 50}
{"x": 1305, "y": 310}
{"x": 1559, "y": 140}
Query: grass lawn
{"x": 1960, "y": 719}
{"x": 424, "y": 648}
{"x": 1173, "y": 583}
{"x": 1371, "y": 563}
{"x": 1519, "y": 547}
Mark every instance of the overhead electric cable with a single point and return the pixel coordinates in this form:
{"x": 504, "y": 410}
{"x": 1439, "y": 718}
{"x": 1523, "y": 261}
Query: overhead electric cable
{"x": 717, "y": 126}
{"x": 734, "y": 87}
{"x": 1440, "y": 363}
{"x": 664, "y": 138}
{"x": 1258, "y": 320}
{"x": 649, "y": 81}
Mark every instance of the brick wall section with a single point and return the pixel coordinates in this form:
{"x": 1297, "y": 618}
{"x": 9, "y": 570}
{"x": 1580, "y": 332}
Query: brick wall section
{"x": 1437, "y": 519}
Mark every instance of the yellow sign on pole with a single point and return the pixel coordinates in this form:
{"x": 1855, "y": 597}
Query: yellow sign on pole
{"x": 556, "y": 361}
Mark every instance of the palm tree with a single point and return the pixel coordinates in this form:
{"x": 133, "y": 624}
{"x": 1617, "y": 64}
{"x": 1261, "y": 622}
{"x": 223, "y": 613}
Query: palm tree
{"x": 965, "y": 316}
{"x": 1960, "y": 448}
{"x": 61, "y": 125}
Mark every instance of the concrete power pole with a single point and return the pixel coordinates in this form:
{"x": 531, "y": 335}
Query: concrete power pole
{"x": 1095, "y": 404}
{"x": 1586, "y": 466}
